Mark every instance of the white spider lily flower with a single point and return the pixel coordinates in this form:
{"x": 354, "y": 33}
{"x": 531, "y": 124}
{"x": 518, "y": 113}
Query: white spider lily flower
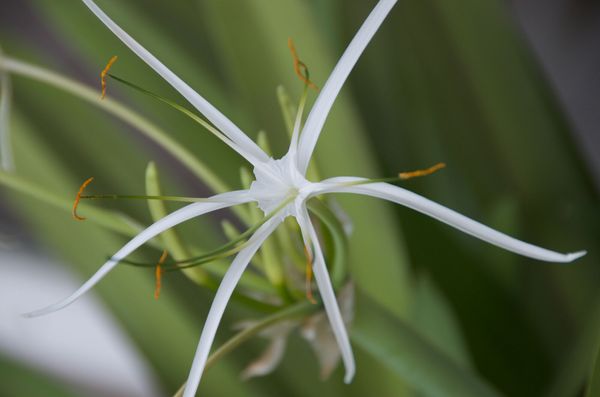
{"x": 281, "y": 185}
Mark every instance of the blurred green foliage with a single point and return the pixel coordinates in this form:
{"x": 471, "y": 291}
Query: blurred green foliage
{"x": 442, "y": 81}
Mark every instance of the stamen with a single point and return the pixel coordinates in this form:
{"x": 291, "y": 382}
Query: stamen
{"x": 300, "y": 67}
{"x": 309, "y": 275}
{"x": 158, "y": 274}
{"x": 414, "y": 174}
{"x": 78, "y": 198}
{"x": 104, "y": 73}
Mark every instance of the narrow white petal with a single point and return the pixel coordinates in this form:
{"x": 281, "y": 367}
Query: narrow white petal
{"x": 328, "y": 295}
{"x": 419, "y": 203}
{"x": 220, "y": 301}
{"x": 246, "y": 147}
{"x": 320, "y": 111}
{"x": 173, "y": 219}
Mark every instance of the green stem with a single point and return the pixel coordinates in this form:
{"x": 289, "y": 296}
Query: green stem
{"x": 155, "y": 133}
{"x": 339, "y": 250}
{"x": 291, "y": 312}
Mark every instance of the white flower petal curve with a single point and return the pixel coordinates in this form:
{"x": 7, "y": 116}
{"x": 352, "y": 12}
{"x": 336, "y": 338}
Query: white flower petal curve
{"x": 318, "y": 114}
{"x": 419, "y": 203}
{"x": 327, "y": 294}
{"x": 173, "y": 219}
{"x": 220, "y": 301}
{"x": 245, "y": 146}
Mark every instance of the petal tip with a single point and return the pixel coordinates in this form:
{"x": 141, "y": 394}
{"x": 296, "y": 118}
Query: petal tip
{"x": 35, "y": 313}
{"x": 349, "y": 376}
{"x": 575, "y": 255}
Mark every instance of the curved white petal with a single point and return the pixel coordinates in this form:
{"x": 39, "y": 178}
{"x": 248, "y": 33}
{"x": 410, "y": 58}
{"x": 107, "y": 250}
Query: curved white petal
{"x": 318, "y": 115}
{"x": 327, "y": 294}
{"x": 245, "y": 146}
{"x": 419, "y": 203}
{"x": 173, "y": 219}
{"x": 220, "y": 301}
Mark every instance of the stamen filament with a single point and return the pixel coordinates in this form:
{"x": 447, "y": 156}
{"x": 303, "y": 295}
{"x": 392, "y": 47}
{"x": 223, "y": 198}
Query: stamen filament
{"x": 142, "y": 197}
{"x": 223, "y": 251}
{"x": 158, "y": 274}
{"x": 177, "y": 107}
{"x": 300, "y": 67}
{"x": 104, "y": 73}
{"x": 78, "y": 199}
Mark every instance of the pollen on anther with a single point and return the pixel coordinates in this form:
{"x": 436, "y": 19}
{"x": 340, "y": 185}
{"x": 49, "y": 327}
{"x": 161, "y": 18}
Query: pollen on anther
{"x": 104, "y": 73}
{"x": 158, "y": 274}
{"x": 78, "y": 199}
{"x": 300, "y": 67}
{"x": 428, "y": 171}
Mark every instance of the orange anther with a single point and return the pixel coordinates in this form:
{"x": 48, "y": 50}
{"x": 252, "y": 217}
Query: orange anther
{"x": 309, "y": 274}
{"x": 425, "y": 172}
{"x": 158, "y": 274}
{"x": 300, "y": 67}
{"x": 78, "y": 198}
{"x": 103, "y": 74}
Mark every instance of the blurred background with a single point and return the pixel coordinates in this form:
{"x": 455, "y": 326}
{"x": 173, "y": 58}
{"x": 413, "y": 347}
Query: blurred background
{"x": 505, "y": 93}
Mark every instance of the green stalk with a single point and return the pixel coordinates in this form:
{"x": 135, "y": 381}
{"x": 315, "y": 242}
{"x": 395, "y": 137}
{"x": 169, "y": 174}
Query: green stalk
{"x": 291, "y": 312}
{"x": 339, "y": 250}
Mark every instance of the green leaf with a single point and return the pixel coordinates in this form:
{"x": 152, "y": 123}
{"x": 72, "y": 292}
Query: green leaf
{"x": 412, "y": 357}
{"x": 18, "y": 380}
{"x": 593, "y": 388}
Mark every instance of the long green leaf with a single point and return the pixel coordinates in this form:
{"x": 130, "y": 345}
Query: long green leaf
{"x": 426, "y": 368}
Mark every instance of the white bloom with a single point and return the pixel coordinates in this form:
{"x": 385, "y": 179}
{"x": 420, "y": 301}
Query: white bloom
{"x": 283, "y": 181}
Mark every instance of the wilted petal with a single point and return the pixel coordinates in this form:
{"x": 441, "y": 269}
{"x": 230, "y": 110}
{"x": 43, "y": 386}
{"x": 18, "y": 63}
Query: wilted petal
{"x": 220, "y": 301}
{"x": 245, "y": 146}
{"x": 271, "y": 357}
{"x": 419, "y": 203}
{"x": 317, "y": 332}
{"x": 320, "y": 111}
{"x": 173, "y": 219}
{"x": 327, "y": 294}
{"x": 268, "y": 360}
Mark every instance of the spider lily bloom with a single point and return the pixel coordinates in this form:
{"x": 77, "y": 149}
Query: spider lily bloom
{"x": 281, "y": 190}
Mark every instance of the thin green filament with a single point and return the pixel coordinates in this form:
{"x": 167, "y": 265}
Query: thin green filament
{"x": 228, "y": 249}
{"x": 142, "y": 197}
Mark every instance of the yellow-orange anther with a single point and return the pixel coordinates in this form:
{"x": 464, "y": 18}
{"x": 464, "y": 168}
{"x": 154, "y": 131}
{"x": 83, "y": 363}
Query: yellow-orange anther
{"x": 418, "y": 173}
{"x": 158, "y": 274}
{"x": 78, "y": 198}
{"x": 309, "y": 275}
{"x": 103, "y": 74}
{"x": 300, "y": 67}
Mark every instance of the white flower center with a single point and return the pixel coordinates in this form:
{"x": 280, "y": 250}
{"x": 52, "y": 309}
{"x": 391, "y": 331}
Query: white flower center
{"x": 278, "y": 181}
